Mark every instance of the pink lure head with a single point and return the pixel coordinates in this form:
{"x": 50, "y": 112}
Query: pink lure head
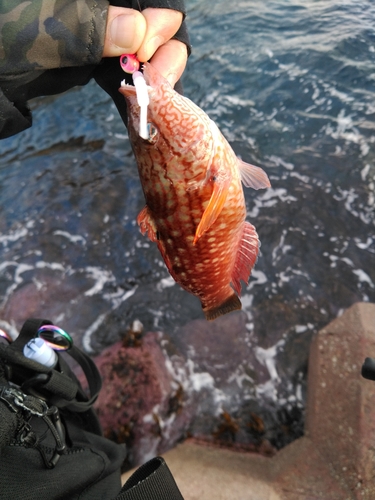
{"x": 129, "y": 63}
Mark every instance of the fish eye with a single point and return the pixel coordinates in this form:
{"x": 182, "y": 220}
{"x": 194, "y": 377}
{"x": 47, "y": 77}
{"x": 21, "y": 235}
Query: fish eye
{"x": 152, "y": 133}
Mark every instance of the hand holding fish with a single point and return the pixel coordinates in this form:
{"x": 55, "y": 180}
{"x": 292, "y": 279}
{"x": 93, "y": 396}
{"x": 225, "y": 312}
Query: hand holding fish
{"x": 148, "y": 34}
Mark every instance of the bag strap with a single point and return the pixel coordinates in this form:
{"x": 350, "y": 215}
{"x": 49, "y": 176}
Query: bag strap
{"x": 93, "y": 378}
{"x": 151, "y": 480}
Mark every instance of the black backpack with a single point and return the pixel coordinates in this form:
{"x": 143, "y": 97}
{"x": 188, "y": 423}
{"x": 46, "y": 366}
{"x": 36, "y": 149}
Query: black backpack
{"x": 51, "y": 444}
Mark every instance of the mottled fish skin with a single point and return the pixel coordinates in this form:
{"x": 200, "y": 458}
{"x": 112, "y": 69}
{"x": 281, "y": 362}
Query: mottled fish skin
{"x": 195, "y": 207}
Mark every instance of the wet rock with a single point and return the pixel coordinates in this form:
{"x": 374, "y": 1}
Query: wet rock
{"x": 141, "y": 404}
{"x": 242, "y": 374}
{"x": 220, "y": 347}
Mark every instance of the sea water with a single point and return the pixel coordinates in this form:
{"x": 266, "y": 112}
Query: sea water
{"x": 291, "y": 84}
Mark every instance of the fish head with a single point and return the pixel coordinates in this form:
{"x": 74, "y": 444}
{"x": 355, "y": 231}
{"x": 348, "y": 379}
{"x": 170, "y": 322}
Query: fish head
{"x": 175, "y": 124}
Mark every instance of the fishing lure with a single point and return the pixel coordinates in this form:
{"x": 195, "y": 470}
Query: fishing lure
{"x": 130, "y": 64}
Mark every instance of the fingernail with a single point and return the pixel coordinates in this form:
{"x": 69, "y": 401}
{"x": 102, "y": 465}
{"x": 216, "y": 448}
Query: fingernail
{"x": 123, "y": 30}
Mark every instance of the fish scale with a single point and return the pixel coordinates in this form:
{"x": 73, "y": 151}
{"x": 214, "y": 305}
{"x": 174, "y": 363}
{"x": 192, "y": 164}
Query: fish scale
{"x": 195, "y": 208}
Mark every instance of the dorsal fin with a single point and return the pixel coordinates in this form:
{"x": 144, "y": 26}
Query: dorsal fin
{"x": 253, "y": 176}
{"x": 246, "y": 257}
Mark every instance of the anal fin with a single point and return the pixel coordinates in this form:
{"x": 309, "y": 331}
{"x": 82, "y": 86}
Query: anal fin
{"x": 246, "y": 257}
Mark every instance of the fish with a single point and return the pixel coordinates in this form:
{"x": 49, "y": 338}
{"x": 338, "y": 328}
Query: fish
{"x": 195, "y": 208}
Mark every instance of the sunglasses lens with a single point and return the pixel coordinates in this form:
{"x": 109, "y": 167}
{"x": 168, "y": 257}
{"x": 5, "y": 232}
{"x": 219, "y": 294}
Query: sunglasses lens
{"x": 55, "y": 337}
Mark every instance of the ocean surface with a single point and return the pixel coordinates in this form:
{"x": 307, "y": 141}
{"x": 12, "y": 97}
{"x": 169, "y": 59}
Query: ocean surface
{"x": 291, "y": 84}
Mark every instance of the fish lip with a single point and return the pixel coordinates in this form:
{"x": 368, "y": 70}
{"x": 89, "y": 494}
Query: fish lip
{"x": 127, "y": 89}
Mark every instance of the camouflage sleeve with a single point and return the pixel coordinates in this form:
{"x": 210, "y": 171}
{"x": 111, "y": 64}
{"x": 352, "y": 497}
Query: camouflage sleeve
{"x": 45, "y": 34}
{"x": 49, "y": 46}
{"x": 109, "y": 73}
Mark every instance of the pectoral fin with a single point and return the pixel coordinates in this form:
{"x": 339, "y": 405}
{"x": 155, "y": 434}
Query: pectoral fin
{"x": 252, "y": 176}
{"x": 146, "y": 224}
{"x": 218, "y": 197}
{"x": 246, "y": 257}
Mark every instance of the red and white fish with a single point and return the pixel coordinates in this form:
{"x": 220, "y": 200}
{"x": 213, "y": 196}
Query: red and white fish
{"x": 195, "y": 208}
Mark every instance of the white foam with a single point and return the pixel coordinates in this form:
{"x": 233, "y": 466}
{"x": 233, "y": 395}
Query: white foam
{"x": 165, "y": 283}
{"x": 364, "y": 246}
{"x": 363, "y": 277}
{"x": 257, "y": 278}
{"x": 268, "y": 390}
{"x": 86, "y": 339}
{"x": 280, "y": 249}
{"x": 349, "y": 197}
{"x": 13, "y": 235}
{"x": 55, "y": 266}
{"x": 347, "y": 131}
{"x": 71, "y": 237}
{"x": 270, "y": 198}
{"x": 101, "y": 276}
{"x": 192, "y": 381}
{"x": 300, "y": 328}
{"x": 267, "y": 358}
{"x": 303, "y": 178}
{"x": 201, "y": 380}
{"x": 239, "y": 376}
{"x": 125, "y": 295}
{"x": 279, "y": 161}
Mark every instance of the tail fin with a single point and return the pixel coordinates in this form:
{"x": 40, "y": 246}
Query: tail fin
{"x": 232, "y": 303}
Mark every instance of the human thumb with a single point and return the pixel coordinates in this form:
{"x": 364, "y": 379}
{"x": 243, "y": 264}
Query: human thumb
{"x": 125, "y": 31}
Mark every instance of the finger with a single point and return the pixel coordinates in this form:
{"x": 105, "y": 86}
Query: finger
{"x": 162, "y": 24}
{"x": 125, "y": 32}
{"x": 170, "y": 60}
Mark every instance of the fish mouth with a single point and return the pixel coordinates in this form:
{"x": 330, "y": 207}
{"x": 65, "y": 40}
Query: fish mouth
{"x": 138, "y": 99}
{"x": 152, "y": 78}
{"x": 129, "y": 90}
{"x": 140, "y": 95}
{"x": 126, "y": 89}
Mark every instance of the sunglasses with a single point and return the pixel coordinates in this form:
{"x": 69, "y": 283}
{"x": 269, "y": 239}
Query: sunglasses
{"x": 55, "y": 337}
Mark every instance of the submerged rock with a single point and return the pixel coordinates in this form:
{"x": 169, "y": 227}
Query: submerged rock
{"x": 141, "y": 404}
